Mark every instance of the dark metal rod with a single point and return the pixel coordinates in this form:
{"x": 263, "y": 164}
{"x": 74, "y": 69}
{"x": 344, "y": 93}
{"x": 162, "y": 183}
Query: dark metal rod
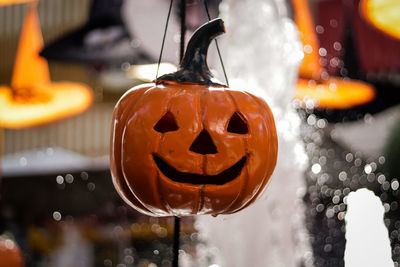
{"x": 177, "y": 230}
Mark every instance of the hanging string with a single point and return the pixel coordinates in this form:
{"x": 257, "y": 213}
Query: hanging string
{"x": 216, "y": 44}
{"x": 183, "y": 29}
{"x": 163, "y": 41}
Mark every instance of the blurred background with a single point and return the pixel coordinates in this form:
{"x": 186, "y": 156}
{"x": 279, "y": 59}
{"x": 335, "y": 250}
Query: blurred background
{"x": 57, "y": 201}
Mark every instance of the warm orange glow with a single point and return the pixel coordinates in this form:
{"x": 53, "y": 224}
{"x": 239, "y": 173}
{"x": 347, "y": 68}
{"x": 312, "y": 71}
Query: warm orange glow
{"x": 383, "y": 15}
{"x": 32, "y": 98}
{"x": 49, "y": 102}
{"x": 334, "y": 93}
{"x": 310, "y": 67}
{"x": 15, "y": 2}
{"x": 329, "y": 92}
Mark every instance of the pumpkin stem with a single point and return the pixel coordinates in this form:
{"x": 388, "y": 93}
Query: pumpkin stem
{"x": 193, "y": 67}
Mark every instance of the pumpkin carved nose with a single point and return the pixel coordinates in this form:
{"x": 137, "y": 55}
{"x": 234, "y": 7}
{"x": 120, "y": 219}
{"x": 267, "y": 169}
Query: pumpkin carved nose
{"x": 203, "y": 144}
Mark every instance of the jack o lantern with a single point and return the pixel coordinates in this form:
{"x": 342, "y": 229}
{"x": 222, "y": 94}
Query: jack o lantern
{"x": 186, "y": 144}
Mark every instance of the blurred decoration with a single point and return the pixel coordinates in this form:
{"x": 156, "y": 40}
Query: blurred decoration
{"x": 10, "y": 254}
{"x": 348, "y": 37}
{"x": 310, "y": 67}
{"x": 383, "y": 15}
{"x": 32, "y": 98}
{"x": 335, "y": 93}
{"x": 354, "y": 49}
{"x": 104, "y": 39}
{"x": 324, "y": 91}
{"x": 15, "y": 2}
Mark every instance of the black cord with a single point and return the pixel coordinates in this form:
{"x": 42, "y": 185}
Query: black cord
{"x": 183, "y": 29}
{"x": 177, "y": 230}
{"x": 216, "y": 44}
{"x": 163, "y": 41}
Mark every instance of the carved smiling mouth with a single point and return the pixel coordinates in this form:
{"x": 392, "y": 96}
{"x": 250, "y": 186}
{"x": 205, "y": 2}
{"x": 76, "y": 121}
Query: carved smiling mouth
{"x": 194, "y": 178}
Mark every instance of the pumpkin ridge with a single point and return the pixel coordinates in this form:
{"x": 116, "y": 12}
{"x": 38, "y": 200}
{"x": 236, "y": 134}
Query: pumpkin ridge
{"x": 204, "y": 167}
{"x": 245, "y": 180}
{"x": 267, "y": 175}
{"x": 200, "y": 199}
{"x": 203, "y": 95}
{"x": 160, "y": 143}
{"x": 232, "y": 98}
{"x": 160, "y": 197}
{"x": 130, "y": 111}
{"x": 118, "y": 178}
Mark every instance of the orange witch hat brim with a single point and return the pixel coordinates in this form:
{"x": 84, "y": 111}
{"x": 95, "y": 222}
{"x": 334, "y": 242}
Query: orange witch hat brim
{"x": 56, "y": 101}
{"x": 335, "y": 93}
{"x": 14, "y": 2}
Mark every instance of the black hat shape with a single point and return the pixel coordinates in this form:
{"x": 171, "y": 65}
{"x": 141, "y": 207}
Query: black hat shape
{"x": 104, "y": 39}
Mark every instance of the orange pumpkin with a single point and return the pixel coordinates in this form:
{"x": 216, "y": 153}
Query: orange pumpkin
{"x": 187, "y": 145}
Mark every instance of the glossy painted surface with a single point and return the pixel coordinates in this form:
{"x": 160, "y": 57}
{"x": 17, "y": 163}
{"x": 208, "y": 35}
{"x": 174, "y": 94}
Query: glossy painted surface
{"x": 384, "y": 15}
{"x": 135, "y": 141}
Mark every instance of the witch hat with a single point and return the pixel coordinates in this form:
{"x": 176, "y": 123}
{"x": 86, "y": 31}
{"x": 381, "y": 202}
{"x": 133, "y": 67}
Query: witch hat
{"x": 104, "y": 39}
{"x": 334, "y": 98}
{"x": 364, "y": 52}
{"x": 33, "y": 99}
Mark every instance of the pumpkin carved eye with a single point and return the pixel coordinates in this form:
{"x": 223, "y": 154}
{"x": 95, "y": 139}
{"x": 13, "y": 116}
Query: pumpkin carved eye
{"x": 166, "y": 124}
{"x": 237, "y": 124}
